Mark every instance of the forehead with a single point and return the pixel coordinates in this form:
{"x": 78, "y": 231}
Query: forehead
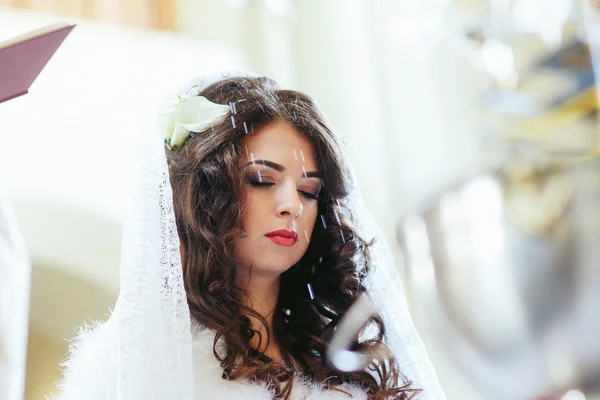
{"x": 281, "y": 143}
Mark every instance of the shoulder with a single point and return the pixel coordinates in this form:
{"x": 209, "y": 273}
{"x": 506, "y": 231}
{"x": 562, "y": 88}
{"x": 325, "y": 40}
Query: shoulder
{"x": 87, "y": 367}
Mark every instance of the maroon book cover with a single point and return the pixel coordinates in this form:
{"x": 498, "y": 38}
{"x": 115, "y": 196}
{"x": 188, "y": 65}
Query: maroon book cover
{"x": 23, "y": 58}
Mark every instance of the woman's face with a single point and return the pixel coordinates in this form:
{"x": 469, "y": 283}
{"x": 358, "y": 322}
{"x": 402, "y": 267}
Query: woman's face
{"x": 281, "y": 190}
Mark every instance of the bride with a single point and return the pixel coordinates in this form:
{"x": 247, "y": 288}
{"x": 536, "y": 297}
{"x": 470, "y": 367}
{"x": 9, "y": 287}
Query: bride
{"x": 247, "y": 244}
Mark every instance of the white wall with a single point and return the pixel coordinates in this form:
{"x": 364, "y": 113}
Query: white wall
{"x": 72, "y": 137}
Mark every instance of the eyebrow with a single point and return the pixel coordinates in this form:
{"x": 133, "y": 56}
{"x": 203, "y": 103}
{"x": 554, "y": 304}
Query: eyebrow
{"x": 281, "y": 168}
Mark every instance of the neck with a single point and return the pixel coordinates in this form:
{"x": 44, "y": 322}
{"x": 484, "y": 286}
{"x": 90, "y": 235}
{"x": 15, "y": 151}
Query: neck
{"x": 262, "y": 292}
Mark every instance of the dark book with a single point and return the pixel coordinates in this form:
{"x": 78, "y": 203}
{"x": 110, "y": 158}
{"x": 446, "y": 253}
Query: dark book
{"x": 23, "y": 58}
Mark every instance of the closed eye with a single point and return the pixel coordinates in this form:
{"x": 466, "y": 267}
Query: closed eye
{"x": 257, "y": 182}
{"x": 260, "y": 184}
{"x": 308, "y": 195}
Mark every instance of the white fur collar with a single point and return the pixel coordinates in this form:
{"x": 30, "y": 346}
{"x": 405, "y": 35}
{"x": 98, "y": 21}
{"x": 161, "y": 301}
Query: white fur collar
{"x": 87, "y": 373}
{"x": 208, "y": 376}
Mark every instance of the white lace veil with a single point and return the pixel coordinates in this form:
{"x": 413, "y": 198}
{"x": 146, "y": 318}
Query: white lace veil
{"x": 152, "y": 312}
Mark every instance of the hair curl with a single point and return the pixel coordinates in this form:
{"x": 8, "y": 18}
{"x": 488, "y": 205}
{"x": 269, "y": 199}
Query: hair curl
{"x": 206, "y": 177}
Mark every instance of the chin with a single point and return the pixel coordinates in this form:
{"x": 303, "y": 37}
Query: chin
{"x": 266, "y": 261}
{"x": 271, "y": 268}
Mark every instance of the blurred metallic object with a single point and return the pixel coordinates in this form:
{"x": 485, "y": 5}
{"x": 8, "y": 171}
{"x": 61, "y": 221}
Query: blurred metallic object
{"x": 505, "y": 266}
{"x": 15, "y": 273}
{"x": 490, "y": 38}
{"x": 346, "y": 332}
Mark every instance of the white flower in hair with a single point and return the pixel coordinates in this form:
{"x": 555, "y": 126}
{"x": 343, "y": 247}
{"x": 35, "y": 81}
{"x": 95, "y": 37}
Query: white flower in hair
{"x": 190, "y": 115}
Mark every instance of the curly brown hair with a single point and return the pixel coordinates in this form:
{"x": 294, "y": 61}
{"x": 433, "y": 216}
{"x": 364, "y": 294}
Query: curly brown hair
{"x": 207, "y": 181}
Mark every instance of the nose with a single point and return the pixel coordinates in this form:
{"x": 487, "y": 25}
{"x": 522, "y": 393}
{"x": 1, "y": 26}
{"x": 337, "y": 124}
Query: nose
{"x": 289, "y": 203}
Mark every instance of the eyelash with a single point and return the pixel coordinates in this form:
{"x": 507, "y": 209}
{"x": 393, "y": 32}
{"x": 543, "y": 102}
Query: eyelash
{"x": 264, "y": 185}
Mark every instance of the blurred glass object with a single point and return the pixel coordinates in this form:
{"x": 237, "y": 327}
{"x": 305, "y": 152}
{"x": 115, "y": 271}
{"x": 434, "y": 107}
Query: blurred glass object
{"x": 346, "y": 331}
{"x": 504, "y": 264}
{"x": 15, "y": 272}
{"x": 573, "y": 395}
{"x": 536, "y": 78}
{"x": 490, "y": 38}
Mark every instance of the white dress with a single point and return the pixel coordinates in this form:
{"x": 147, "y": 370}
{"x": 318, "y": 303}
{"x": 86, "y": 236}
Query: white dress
{"x": 90, "y": 357}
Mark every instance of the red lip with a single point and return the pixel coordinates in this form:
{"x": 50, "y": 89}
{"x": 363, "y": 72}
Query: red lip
{"x": 283, "y": 237}
{"x": 283, "y": 232}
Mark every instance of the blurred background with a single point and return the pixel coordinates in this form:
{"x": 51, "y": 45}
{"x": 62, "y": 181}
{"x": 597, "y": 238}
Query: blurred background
{"x": 424, "y": 93}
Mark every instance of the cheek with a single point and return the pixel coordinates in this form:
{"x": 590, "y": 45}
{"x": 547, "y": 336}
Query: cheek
{"x": 309, "y": 218}
{"x": 254, "y": 208}
{"x": 311, "y": 206}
